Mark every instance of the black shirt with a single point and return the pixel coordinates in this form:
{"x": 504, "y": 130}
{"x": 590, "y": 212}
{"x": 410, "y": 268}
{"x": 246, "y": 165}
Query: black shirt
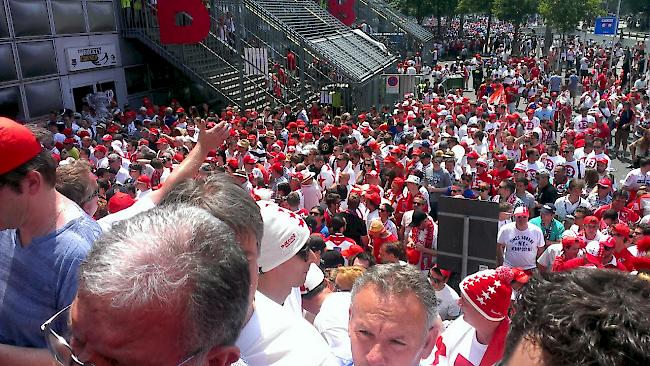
{"x": 355, "y": 228}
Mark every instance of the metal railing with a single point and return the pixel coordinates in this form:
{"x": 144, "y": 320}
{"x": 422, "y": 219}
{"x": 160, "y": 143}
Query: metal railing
{"x": 397, "y": 19}
{"x": 212, "y": 62}
{"x": 250, "y": 38}
{"x": 362, "y": 60}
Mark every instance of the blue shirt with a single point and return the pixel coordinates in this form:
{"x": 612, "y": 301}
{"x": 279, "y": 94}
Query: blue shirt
{"x": 40, "y": 279}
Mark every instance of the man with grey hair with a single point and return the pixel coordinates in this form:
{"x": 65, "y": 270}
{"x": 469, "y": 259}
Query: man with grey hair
{"x": 115, "y": 163}
{"x": 270, "y": 332}
{"x": 167, "y": 287}
{"x": 393, "y": 317}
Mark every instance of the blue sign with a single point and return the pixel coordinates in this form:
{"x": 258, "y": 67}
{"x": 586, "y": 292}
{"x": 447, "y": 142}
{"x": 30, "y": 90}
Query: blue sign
{"x": 606, "y": 26}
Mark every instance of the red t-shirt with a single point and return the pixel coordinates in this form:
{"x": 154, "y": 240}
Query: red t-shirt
{"x": 625, "y": 215}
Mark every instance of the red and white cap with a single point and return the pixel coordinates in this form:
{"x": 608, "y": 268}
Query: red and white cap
{"x": 489, "y": 292}
{"x": 521, "y": 211}
{"x": 285, "y": 233}
{"x": 594, "y": 253}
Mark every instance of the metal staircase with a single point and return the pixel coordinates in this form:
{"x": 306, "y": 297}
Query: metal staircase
{"x": 327, "y": 52}
{"x": 323, "y": 37}
{"x": 385, "y": 13}
{"x": 212, "y": 63}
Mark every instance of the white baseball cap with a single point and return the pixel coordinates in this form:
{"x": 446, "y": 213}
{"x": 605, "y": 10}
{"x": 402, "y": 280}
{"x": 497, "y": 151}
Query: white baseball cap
{"x": 315, "y": 277}
{"x": 285, "y": 233}
{"x": 413, "y": 179}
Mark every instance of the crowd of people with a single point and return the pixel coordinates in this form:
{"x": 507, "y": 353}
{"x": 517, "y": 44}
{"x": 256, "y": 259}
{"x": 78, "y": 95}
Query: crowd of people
{"x": 295, "y": 236}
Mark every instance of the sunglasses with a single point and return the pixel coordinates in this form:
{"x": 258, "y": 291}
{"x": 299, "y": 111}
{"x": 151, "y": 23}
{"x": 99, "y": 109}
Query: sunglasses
{"x": 314, "y": 213}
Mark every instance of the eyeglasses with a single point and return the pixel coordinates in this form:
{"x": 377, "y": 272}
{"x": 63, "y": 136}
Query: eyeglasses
{"x": 304, "y": 252}
{"x": 95, "y": 194}
{"x": 61, "y": 350}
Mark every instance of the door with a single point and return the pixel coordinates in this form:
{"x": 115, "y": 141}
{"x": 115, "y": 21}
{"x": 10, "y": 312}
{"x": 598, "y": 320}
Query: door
{"x": 79, "y": 93}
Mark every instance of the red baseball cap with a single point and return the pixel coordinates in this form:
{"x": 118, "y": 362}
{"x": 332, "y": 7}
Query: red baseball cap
{"x": 605, "y": 182}
{"x": 352, "y": 250}
{"x": 249, "y": 160}
{"x": 621, "y": 229}
{"x": 119, "y": 202}
{"x": 233, "y": 163}
{"x": 18, "y": 145}
{"x": 143, "y": 178}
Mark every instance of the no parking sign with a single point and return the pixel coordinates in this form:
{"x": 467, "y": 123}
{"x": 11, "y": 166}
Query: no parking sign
{"x": 392, "y": 84}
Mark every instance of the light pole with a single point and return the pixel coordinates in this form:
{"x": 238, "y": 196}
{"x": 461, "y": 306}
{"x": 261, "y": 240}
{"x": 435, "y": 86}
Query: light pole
{"x": 611, "y": 56}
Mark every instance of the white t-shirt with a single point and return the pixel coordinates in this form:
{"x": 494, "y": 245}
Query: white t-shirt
{"x": 332, "y": 323}
{"x": 548, "y": 257}
{"x": 275, "y": 337}
{"x": 448, "y": 307}
{"x": 575, "y": 169}
{"x": 564, "y": 207}
{"x": 531, "y": 170}
{"x": 590, "y": 160}
{"x": 293, "y": 302}
{"x": 550, "y": 162}
{"x": 581, "y": 123}
{"x": 635, "y": 179}
{"x": 459, "y": 340}
{"x": 521, "y": 246}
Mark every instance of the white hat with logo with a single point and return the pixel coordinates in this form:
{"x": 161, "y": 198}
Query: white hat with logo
{"x": 285, "y": 233}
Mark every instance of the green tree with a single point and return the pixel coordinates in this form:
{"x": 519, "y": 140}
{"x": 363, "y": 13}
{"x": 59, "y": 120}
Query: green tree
{"x": 415, "y": 8}
{"x": 565, "y": 15}
{"x": 478, "y": 7}
{"x": 516, "y": 12}
{"x": 639, "y": 8}
{"x": 421, "y": 9}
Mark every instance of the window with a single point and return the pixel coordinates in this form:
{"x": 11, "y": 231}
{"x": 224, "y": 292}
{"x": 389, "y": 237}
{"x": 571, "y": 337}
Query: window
{"x": 8, "y": 69}
{"x": 68, "y": 17}
{"x": 101, "y": 16}
{"x": 42, "y": 97}
{"x": 30, "y": 17}
{"x": 37, "y": 58}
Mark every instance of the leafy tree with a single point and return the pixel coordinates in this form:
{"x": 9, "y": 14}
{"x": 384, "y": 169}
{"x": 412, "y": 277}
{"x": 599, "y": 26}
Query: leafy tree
{"x": 636, "y": 7}
{"x": 565, "y": 15}
{"x": 421, "y": 9}
{"x": 416, "y": 8}
{"x": 516, "y": 12}
{"x": 478, "y": 7}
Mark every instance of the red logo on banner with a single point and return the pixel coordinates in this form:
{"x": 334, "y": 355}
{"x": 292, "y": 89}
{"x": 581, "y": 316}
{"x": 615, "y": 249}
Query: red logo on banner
{"x": 343, "y": 10}
{"x": 170, "y": 33}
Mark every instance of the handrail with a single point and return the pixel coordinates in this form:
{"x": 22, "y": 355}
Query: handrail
{"x": 270, "y": 47}
{"x": 151, "y": 22}
{"x": 279, "y": 23}
{"x": 396, "y": 18}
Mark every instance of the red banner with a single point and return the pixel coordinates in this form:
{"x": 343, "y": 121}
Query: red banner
{"x": 171, "y": 33}
{"x": 343, "y": 10}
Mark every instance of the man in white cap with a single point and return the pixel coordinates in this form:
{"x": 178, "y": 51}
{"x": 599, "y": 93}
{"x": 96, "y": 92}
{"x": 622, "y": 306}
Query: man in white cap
{"x": 331, "y": 310}
{"x": 284, "y": 257}
{"x": 523, "y": 243}
{"x": 478, "y": 336}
